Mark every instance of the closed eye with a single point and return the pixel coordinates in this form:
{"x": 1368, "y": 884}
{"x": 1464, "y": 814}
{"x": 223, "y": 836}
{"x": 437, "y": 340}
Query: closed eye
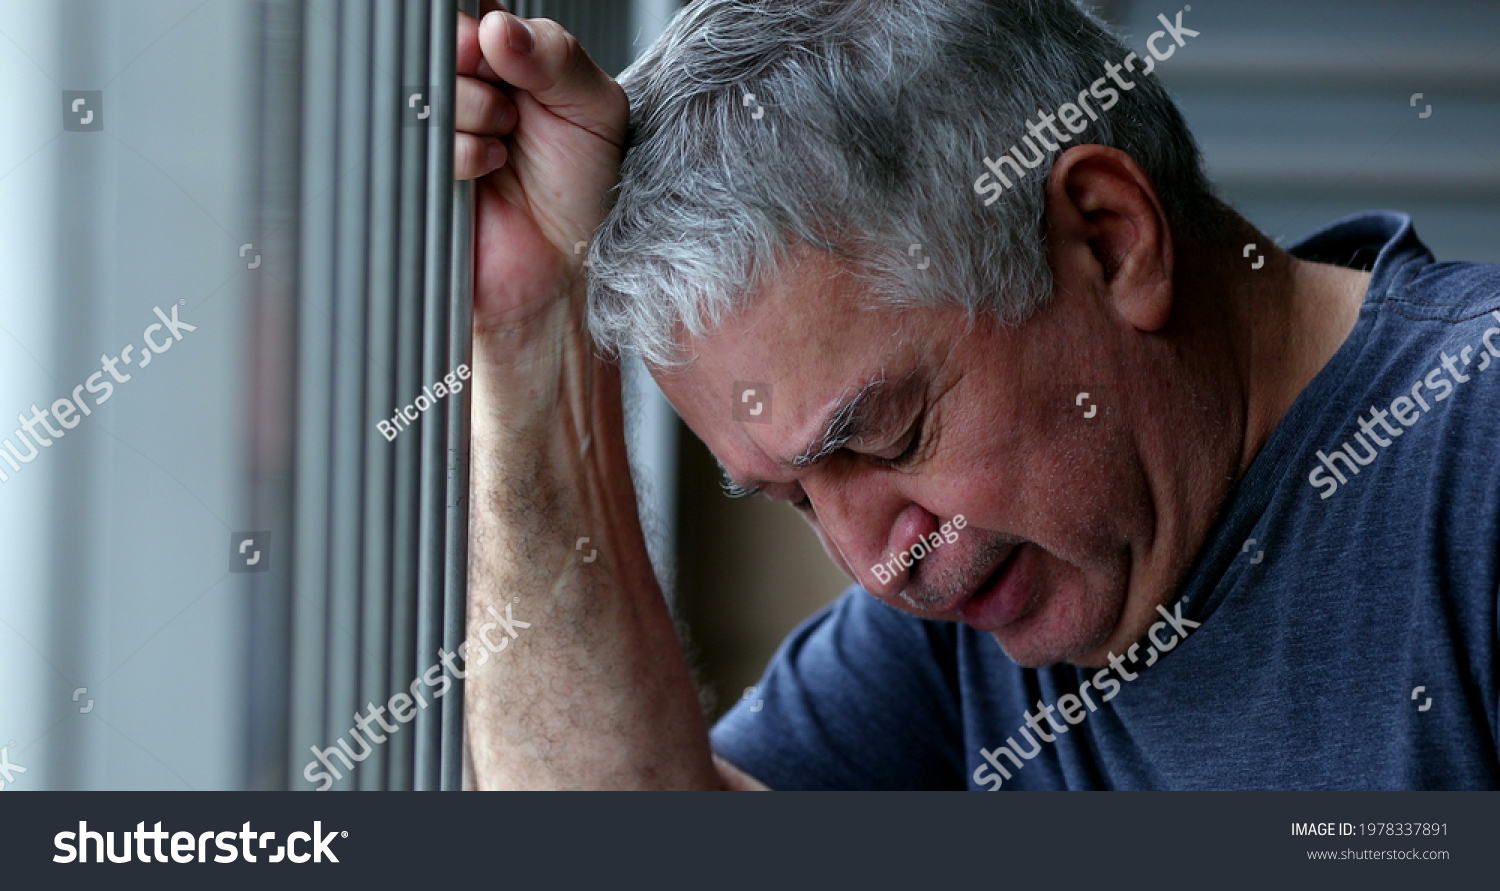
{"x": 907, "y": 453}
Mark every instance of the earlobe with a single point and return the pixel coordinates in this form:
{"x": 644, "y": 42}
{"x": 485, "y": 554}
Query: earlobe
{"x": 1106, "y": 220}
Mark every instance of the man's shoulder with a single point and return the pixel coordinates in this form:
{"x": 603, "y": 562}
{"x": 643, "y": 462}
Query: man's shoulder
{"x": 1426, "y": 373}
{"x": 1433, "y": 361}
{"x": 1450, "y": 291}
{"x": 1381, "y": 486}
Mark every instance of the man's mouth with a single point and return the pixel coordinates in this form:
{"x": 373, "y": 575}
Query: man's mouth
{"x": 1004, "y": 596}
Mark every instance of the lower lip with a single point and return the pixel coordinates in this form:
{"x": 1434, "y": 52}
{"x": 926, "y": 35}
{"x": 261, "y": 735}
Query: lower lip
{"x": 1006, "y": 598}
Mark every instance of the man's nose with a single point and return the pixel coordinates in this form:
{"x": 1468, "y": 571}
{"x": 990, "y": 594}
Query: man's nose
{"x": 904, "y": 547}
{"x": 873, "y": 528}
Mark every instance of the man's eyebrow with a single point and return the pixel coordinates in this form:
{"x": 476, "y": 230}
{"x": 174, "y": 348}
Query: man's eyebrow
{"x": 845, "y": 423}
{"x": 734, "y": 489}
{"x": 849, "y": 420}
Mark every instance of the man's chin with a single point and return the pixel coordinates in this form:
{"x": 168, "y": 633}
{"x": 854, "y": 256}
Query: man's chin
{"x": 1027, "y": 652}
{"x": 1065, "y": 624}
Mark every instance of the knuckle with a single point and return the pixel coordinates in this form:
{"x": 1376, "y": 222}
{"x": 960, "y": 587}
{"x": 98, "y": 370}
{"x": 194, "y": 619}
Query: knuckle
{"x": 466, "y": 154}
{"x": 482, "y": 106}
{"x": 572, "y": 50}
{"x": 562, "y": 44}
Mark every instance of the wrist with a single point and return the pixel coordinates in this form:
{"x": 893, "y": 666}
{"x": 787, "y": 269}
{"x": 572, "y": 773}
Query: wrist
{"x": 547, "y": 406}
{"x": 549, "y": 468}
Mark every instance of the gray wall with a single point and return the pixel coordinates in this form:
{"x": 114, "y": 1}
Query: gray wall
{"x": 1304, "y": 111}
{"x": 115, "y": 540}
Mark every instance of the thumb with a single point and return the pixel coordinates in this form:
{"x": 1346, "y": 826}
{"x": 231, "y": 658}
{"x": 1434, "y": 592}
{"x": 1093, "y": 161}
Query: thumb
{"x": 542, "y": 58}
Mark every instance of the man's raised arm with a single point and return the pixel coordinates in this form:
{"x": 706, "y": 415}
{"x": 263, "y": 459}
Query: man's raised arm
{"x": 595, "y": 693}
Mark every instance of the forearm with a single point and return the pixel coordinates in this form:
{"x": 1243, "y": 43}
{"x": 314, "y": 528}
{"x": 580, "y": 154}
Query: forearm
{"x": 596, "y": 693}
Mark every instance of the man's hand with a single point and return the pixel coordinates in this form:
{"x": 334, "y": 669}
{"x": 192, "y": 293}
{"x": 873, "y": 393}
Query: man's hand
{"x": 543, "y": 129}
{"x": 596, "y": 693}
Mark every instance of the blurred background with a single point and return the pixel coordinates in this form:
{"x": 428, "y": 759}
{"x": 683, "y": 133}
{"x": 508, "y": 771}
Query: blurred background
{"x": 134, "y": 653}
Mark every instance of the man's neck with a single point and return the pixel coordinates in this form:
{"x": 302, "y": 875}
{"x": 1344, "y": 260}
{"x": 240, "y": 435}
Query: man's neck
{"x": 1292, "y": 320}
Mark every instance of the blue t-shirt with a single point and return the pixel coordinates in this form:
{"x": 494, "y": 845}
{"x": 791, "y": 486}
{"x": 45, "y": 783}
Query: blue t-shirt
{"x": 1352, "y": 645}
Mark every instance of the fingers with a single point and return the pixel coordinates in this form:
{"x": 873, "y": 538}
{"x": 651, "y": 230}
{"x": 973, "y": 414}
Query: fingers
{"x": 502, "y": 52}
{"x": 482, "y": 114}
{"x": 470, "y": 60}
{"x": 482, "y": 108}
{"x": 474, "y": 156}
{"x": 540, "y": 57}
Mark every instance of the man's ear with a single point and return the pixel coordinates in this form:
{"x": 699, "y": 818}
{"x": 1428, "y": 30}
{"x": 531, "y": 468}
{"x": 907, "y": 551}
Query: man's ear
{"x": 1105, "y": 222}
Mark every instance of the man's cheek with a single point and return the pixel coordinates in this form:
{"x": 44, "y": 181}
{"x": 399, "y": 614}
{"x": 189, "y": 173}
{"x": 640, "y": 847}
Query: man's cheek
{"x": 831, "y": 548}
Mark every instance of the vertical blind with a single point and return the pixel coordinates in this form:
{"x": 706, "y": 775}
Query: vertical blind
{"x": 355, "y": 160}
{"x": 382, "y": 309}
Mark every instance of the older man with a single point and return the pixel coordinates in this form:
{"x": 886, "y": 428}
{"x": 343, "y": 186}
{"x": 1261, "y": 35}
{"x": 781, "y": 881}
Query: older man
{"x": 1136, "y": 510}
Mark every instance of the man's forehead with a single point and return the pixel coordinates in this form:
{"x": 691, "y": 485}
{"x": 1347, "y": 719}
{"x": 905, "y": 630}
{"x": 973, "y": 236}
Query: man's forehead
{"x": 771, "y": 388}
{"x": 798, "y": 344}
{"x": 804, "y": 307}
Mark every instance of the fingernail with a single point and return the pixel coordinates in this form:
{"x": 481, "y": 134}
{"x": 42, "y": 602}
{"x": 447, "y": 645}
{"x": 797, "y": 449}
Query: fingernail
{"x": 518, "y": 35}
{"x": 495, "y": 156}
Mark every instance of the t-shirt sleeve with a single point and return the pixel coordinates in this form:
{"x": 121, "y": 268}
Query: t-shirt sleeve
{"x": 860, "y": 696}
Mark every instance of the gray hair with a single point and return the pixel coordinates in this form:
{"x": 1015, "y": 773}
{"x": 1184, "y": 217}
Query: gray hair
{"x": 857, "y": 127}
